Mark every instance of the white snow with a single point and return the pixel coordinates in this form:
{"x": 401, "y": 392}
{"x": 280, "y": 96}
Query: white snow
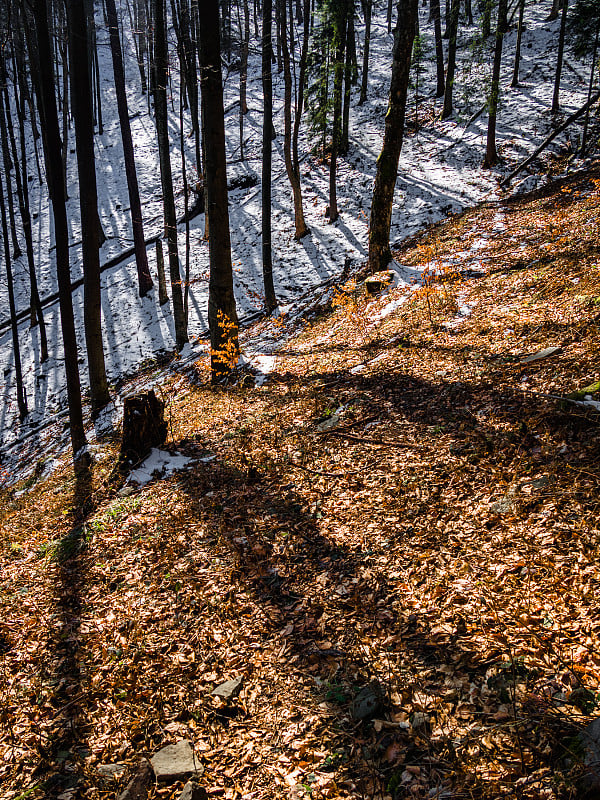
{"x": 159, "y": 464}
{"x": 440, "y": 172}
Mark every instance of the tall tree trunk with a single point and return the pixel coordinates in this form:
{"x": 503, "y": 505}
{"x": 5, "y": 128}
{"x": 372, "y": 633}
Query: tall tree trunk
{"x": 491, "y": 155}
{"x": 559, "y": 57}
{"x": 590, "y": 88}
{"x": 36, "y": 313}
{"x": 340, "y": 29}
{"x": 515, "y": 78}
{"x": 554, "y": 11}
{"x": 348, "y": 70}
{"x": 387, "y": 163}
{"x": 244, "y": 76}
{"x": 267, "y": 136}
{"x": 453, "y": 32}
{"x": 390, "y": 9}
{"x": 439, "y": 47}
{"x": 21, "y": 397}
{"x": 222, "y": 315}
{"x": 56, "y": 188}
{"x": 166, "y": 178}
{"x": 8, "y": 166}
{"x": 290, "y": 166}
{"x": 88, "y": 200}
{"x": 486, "y": 20}
{"x": 364, "y": 83}
{"x": 141, "y": 257}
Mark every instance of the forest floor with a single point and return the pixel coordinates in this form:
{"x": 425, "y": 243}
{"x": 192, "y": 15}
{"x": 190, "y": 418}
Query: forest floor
{"x": 403, "y": 508}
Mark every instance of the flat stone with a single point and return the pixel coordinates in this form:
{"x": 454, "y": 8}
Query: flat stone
{"x": 193, "y": 791}
{"x": 175, "y": 762}
{"x": 111, "y": 771}
{"x": 368, "y": 701}
{"x": 228, "y": 690}
{"x": 549, "y": 351}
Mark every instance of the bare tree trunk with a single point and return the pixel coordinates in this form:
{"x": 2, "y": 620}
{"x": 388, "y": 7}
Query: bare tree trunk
{"x": 21, "y": 398}
{"x": 244, "y": 76}
{"x": 559, "y": 57}
{"x": 290, "y": 166}
{"x": 590, "y": 88}
{"x": 222, "y": 315}
{"x": 491, "y": 156}
{"x": 340, "y": 26}
{"x": 515, "y": 78}
{"x": 439, "y": 48}
{"x": 364, "y": 83}
{"x": 56, "y": 188}
{"x": 162, "y": 131}
{"x": 453, "y": 31}
{"x": 387, "y": 163}
{"x": 36, "y": 313}
{"x": 348, "y": 70}
{"x": 88, "y": 201}
{"x": 267, "y": 136}
{"x": 141, "y": 257}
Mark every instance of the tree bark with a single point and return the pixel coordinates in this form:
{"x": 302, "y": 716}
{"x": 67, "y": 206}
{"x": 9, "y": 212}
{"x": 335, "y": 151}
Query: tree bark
{"x": 162, "y": 131}
{"x": 559, "y": 57}
{"x": 364, "y": 83}
{"x": 515, "y": 78}
{"x": 452, "y": 31}
{"x": 88, "y": 201}
{"x": 21, "y": 398}
{"x": 340, "y": 29}
{"x": 222, "y": 314}
{"x": 291, "y": 168}
{"x": 56, "y": 188}
{"x": 491, "y": 155}
{"x": 35, "y": 305}
{"x": 267, "y": 136}
{"x": 141, "y": 257}
{"x": 439, "y": 47}
{"x": 387, "y": 163}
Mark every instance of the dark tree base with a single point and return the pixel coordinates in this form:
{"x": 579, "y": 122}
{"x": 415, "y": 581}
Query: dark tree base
{"x": 144, "y": 427}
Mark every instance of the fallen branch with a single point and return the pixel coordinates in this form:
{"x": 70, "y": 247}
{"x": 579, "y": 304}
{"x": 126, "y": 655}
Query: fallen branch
{"x": 549, "y": 139}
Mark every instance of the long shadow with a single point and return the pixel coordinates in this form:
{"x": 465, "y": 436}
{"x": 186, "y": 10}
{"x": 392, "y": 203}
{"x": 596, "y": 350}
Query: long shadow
{"x": 65, "y": 746}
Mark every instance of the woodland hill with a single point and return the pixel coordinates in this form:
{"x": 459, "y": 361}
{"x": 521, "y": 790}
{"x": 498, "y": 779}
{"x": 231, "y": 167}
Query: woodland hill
{"x": 405, "y": 507}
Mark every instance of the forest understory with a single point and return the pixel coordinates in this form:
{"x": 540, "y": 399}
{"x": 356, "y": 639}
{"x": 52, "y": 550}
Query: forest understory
{"x": 403, "y": 513}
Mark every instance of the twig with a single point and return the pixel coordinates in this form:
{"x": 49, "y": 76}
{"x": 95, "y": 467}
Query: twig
{"x": 379, "y": 442}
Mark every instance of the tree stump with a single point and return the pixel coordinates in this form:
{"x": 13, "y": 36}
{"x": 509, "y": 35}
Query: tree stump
{"x": 144, "y": 427}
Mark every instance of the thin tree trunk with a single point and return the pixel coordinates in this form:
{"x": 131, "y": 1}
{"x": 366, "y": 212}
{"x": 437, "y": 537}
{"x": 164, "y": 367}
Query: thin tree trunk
{"x": 244, "y": 76}
{"x": 88, "y": 201}
{"x": 439, "y": 47}
{"x": 56, "y": 187}
{"x": 515, "y": 78}
{"x": 267, "y": 131}
{"x": 293, "y": 174}
{"x": 559, "y": 57}
{"x": 186, "y": 210}
{"x": 387, "y": 163}
{"x": 21, "y": 397}
{"x": 364, "y": 83}
{"x": 162, "y": 131}
{"x": 590, "y": 88}
{"x": 350, "y": 46}
{"x": 222, "y": 315}
{"x": 340, "y": 33}
{"x": 36, "y": 313}
{"x": 491, "y": 155}
{"x": 453, "y": 31}
{"x": 141, "y": 257}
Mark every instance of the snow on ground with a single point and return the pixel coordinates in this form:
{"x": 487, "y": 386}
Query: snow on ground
{"x": 440, "y": 173}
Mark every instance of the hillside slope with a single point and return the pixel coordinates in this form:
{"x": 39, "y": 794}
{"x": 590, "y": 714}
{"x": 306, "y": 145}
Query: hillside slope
{"x": 403, "y": 504}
